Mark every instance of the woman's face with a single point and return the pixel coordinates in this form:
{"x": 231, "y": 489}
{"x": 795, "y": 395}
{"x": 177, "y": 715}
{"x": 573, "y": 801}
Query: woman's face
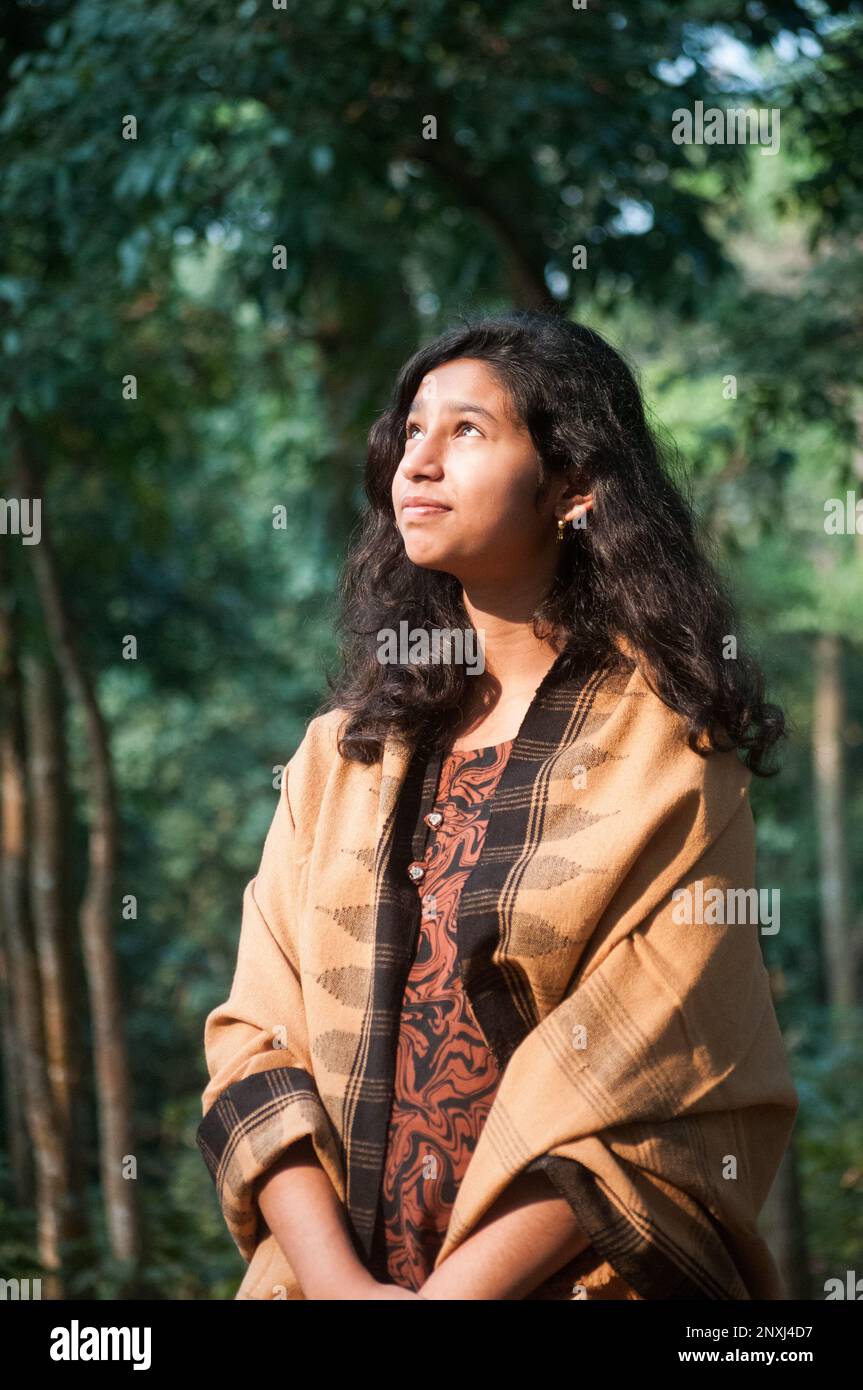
{"x": 465, "y": 454}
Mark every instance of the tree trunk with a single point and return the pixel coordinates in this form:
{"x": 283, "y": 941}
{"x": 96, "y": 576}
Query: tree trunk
{"x": 50, "y": 894}
{"x": 113, "y": 1088}
{"x": 44, "y": 1128}
{"x": 15, "y": 1116}
{"x": 857, "y": 464}
{"x": 523, "y": 256}
{"x": 828, "y": 722}
{"x": 783, "y": 1225}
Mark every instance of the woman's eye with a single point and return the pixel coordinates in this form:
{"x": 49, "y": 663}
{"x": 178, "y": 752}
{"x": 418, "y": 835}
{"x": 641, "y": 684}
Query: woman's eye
{"x": 462, "y": 424}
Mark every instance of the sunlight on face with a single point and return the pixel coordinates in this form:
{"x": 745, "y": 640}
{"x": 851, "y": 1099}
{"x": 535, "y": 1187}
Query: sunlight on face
{"x": 476, "y": 470}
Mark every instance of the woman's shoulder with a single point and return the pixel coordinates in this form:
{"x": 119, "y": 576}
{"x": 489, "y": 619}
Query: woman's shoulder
{"x": 638, "y": 725}
{"x": 644, "y": 776}
{"x": 319, "y": 744}
{"x": 308, "y": 784}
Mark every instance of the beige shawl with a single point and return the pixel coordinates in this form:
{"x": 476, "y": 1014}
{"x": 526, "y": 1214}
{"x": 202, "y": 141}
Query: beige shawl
{"x": 643, "y": 1067}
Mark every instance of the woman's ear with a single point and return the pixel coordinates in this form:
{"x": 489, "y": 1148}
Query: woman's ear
{"x": 577, "y": 509}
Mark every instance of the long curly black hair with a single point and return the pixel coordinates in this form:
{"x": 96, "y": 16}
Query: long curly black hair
{"x": 638, "y": 571}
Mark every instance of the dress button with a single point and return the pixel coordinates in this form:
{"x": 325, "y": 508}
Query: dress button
{"x": 416, "y": 871}
{"x": 433, "y": 819}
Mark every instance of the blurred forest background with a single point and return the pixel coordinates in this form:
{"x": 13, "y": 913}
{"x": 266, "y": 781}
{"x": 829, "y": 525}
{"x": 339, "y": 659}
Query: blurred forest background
{"x": 169, "y": 378}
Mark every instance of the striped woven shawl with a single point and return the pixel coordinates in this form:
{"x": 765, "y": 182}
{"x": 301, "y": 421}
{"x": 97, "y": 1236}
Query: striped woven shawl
{"x": 643, "y": 1067}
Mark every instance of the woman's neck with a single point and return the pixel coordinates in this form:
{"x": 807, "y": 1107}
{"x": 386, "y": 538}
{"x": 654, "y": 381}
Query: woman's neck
{"x": 496, "y": 703}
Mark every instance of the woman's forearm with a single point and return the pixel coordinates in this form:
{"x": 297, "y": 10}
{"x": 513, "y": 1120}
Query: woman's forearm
{"x": 301, "y": 1208}
{"x": 528, "y": 1235}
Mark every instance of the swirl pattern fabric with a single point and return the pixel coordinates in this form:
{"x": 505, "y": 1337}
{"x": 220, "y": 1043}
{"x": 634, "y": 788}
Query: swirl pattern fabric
{"x": 446, "y": 1077}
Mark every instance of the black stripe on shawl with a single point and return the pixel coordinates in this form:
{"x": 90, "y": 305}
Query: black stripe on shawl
{"x": 650, "y": 1262}
{"x": 501, "y": 999}
{"x": 246, "y": 1106}
{"x": 558, "y": 709}
{"x": 368, "y": 1095}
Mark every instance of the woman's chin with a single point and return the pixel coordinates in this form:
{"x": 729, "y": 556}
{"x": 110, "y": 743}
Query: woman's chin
{"x": 427, "y": 557}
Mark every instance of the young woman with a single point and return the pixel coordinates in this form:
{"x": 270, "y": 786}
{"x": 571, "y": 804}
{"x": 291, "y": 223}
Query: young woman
{"x": 500, "y": 1025}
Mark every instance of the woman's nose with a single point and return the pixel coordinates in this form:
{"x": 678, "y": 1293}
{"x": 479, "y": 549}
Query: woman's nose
{"x": 424, "y": 456}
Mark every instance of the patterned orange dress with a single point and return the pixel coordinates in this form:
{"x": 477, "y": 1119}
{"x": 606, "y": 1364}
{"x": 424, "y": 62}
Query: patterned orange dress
{"x": 446, "y": 1076}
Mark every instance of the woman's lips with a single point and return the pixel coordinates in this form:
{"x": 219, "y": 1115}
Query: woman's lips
{"x": 416, "y": 510}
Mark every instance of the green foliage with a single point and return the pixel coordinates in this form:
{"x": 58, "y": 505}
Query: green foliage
{"x": 830, "y": 1143}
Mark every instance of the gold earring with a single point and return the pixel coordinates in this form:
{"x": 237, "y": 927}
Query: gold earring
{"x": 561, "y": 527}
